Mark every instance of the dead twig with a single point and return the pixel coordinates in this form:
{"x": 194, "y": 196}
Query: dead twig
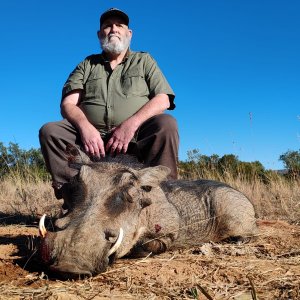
{"x": 204, "y": 292}
{"x": 253, "y": 292}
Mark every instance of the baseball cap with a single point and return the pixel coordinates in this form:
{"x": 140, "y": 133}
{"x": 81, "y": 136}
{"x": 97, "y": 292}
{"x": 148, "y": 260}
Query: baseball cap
{"x": 114, "y": 12}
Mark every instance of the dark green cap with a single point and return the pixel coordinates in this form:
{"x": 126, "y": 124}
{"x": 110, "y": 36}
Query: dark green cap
{"x": 114, "y": 12}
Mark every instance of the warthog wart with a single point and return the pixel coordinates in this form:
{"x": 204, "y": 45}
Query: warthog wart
{"x": 118, "y": 208}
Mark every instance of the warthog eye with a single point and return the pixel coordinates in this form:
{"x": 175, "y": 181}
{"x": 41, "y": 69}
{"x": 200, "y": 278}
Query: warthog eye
{"x": 146, "y": 188}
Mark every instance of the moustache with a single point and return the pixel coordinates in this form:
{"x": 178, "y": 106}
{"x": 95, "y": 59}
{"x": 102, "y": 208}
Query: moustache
{"x": 113, "y": 35}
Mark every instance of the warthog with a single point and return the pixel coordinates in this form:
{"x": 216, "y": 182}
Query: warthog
{"x": 117, "y": 210}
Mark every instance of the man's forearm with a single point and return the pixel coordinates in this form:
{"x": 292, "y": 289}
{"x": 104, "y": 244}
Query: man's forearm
{"x": 74, "y": 115}
{"x": 90, "y": 136}
{"x": 71, "y": 111}
{"x": 155, "y": 106}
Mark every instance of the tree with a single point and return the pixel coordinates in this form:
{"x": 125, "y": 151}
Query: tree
{"x": 291, "y": 161}
{"x": 251, "y": 170}
{"x": 24, "y": 162}
{"x": 229, "y": 163}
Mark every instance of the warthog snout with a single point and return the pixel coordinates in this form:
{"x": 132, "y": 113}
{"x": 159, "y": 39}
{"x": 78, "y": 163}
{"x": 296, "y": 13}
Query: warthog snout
{"x": 60, "y": 263}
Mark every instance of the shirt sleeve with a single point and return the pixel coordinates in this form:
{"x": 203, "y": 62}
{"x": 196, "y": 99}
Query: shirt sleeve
{"x": 156, "y": 81}
{"x": 75, "y": 80}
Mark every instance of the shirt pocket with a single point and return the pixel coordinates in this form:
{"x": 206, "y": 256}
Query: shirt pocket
{"x": 133, "y": 83}
{"x": 93, "y": 86}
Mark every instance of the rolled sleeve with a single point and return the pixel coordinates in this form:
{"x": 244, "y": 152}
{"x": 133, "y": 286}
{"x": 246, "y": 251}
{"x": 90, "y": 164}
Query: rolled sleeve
{"x": 156, "y": 81}
{"x": 75, "y": 80}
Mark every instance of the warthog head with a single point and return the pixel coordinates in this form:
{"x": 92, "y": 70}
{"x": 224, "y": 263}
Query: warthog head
{"x": 105, "y": 204}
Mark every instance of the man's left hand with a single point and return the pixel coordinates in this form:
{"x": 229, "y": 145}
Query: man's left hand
{"x": 121, "y": 137}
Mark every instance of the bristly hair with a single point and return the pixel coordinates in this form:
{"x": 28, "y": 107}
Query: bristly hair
{"x": 77, "y": 158}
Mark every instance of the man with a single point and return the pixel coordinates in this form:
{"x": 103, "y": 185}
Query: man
{"x": 113, "y": 103}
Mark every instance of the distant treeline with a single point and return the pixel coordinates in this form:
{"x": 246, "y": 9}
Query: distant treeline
{"x": 199, "y": 165}
{"x": 14, "y": 160}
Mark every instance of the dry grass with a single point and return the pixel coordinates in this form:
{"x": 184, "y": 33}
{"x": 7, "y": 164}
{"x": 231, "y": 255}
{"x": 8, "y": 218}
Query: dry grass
{"x": 27, "y": 198}
{"x": 280, "y": 199}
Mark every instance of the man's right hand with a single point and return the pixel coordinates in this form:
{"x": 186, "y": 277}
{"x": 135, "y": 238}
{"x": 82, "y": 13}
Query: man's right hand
{"x": 92, "y": 141}
{"x": 90, "y": 136}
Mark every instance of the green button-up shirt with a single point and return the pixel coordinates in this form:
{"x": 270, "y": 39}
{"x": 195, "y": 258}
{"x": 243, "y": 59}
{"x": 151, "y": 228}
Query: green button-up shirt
{"x": 111, "y": 96}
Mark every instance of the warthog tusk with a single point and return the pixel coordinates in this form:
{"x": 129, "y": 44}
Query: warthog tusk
{"x": 117, "y": 244}
{"x": 42, "y": 227}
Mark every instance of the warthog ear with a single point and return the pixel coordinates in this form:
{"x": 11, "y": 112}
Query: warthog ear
{"x": 153, "y": 176}
{"x": 76, "y": 156}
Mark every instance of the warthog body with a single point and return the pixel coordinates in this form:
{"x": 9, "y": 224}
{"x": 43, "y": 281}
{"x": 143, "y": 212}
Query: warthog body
{"x": 154, "y": 214}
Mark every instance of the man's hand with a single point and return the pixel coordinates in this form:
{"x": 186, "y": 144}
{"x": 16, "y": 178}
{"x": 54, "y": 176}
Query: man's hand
{"x": 121, "y": 136}
{"x": 90, "y": 136}
{"x": 92, "y": 141}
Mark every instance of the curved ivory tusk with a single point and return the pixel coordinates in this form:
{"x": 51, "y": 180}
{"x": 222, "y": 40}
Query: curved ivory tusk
{"x": 117, "y": 244}
{"x": 42, "y": 227}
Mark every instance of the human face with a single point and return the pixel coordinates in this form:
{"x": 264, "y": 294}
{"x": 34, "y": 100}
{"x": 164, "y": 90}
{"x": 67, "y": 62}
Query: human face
{"x": 114, "y": 36}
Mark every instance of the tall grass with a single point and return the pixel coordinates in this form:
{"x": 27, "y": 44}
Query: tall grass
{"x": 22, "y": 191}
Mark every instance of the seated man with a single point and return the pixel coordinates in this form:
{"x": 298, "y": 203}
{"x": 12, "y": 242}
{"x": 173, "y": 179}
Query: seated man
{"x": 113, "y": 103}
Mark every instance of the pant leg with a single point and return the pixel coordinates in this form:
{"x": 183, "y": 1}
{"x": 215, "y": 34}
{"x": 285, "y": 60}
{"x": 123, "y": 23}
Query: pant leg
{"x": 54, "y": 137}
{"x": 158, "y": 142}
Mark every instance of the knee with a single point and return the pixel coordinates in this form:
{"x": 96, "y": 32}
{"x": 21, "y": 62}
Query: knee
{"x": 166, "y": 123}
{"x": 163, "y": 125}
{"x": 46, "y": 131}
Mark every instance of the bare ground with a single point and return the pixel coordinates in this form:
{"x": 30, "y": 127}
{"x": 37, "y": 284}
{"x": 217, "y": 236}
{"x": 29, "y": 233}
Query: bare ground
{"x": 265, "y": 268}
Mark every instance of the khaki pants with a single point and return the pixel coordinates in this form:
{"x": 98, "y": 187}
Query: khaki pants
{"x": 156, "y": 144}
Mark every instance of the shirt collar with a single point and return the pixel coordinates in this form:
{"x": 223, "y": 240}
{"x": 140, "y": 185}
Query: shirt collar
{"x": 104, "y": 58}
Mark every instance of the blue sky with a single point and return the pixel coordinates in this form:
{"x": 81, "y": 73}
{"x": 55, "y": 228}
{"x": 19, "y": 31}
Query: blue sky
{"x": 234, "y": 66}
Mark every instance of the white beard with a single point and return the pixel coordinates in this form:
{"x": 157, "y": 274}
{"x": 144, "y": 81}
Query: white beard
{"x": 116, "y": 45}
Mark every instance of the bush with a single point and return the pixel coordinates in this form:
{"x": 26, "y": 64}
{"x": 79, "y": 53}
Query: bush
{"x": 25, "y": 164}
{"x": 220, "y": 168}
